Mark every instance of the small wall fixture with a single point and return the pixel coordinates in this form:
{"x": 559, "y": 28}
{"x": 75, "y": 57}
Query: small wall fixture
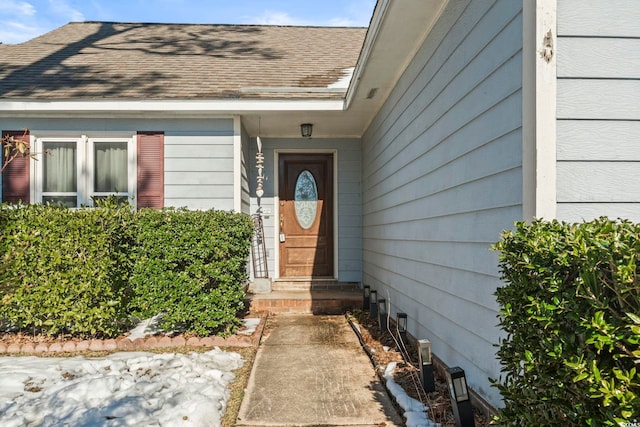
{"x": 460, "y": 401}
{"x": 373, "y": 304}
{"x": 372, "y": 92}
{"x": 382, "y": 315}
{"x": 426, "y": 366}
{"x": 365, "y": 297}
{"x": 401, "y": 325}
{"x": 306, "y": 129}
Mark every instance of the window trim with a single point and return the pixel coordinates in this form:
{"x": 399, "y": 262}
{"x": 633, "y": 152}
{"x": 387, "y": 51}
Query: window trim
{"x": 39, "y": 169}
{"x": 84, "y": 168}
{"x": 90, "y": 165}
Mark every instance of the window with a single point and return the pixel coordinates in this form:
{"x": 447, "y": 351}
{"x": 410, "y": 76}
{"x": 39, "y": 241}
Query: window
{"x": 60, "y": 172}
{"x": 110, "y": 168}
{"x": 76, "y": 171}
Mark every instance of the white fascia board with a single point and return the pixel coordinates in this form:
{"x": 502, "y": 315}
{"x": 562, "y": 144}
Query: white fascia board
{"x": 162, "y": 106}
{"x": 370, "y": 38}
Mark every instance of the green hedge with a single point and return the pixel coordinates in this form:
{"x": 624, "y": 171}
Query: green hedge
{"x": 65, "y": 271}
{"x": 93, "y": 271}
{"x": 570, "y": 311}
{"x": 191, "y": 267}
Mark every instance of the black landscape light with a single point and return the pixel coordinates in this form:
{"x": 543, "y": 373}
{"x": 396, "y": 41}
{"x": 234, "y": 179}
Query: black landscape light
{"x": 365, "y": 297}
{"x": 460, "y": 401}
{"x": 401, "y": 325}
{"x": 373, "y": 304}
{"x": 426, "y": 366}
{"x": 382, "y": 314}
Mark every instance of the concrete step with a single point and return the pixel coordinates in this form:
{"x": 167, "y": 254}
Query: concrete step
{"x": 321, "y": 301}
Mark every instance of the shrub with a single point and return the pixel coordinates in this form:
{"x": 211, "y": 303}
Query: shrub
{"x": 570, "y": 312}
{"x": 64, "y": 271}
{"x": 191, "y": 267}
{"x": 88, "y": 271}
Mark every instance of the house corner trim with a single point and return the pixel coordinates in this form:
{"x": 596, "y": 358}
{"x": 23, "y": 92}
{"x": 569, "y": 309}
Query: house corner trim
{"x": 539, "y": 87}
{"x": 237, "y": 164}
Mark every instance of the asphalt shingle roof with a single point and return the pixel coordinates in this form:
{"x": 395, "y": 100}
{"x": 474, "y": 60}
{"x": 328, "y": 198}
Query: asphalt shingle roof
{"x": 106, "y": 60}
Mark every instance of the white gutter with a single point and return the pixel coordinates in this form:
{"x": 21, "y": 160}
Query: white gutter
{"x": 180, "y": 106}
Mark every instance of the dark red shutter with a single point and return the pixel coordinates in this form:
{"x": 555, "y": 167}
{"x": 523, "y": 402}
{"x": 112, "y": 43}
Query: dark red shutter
{"x": 150, "y": 179}
{"x": 15, "y": 178}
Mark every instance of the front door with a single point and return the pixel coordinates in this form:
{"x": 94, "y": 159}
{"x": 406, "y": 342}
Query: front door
{"x": 306, "y": 215}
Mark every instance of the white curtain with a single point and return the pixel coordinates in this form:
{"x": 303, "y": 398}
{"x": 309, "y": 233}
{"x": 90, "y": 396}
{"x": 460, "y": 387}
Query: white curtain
{"x": 60, "y": 167}
{"x": 110, "y": 167}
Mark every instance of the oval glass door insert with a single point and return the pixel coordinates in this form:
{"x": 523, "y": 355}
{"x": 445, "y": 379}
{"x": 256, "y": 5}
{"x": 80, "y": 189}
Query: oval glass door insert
{"x": 306, "y": 199}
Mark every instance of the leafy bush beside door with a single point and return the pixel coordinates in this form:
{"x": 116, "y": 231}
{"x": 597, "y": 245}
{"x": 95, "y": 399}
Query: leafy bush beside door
{"x": 65, "y": 271}
{"x": 92, "y": 271}
{"x": 571, "y": 313}
{"x": 190, "y": 266}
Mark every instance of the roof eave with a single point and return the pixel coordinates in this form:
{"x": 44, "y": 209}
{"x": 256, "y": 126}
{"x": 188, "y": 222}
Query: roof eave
{"x": 398, "y": 29}
{"x": 178, "y": 106}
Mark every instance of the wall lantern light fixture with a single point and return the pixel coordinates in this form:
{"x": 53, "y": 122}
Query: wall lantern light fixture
{"x": 306, "y": 129}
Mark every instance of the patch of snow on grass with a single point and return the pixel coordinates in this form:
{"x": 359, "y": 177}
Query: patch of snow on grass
{"x": 415, "y": 412}
{"x": 250, "y": 325}
{"x": 146, "y": 327}
{"x": 122, "y": 389}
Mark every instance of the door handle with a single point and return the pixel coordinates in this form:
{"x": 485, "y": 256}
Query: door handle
{"x": 282, "y": 236}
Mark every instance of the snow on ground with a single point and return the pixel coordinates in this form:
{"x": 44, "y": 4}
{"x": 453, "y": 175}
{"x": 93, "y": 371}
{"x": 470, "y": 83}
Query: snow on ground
{"x": 151, "y": 327}
{"x": 122, "y": 389}
{"x": 250, "y": 325}
{"x": 415, "y": 412}
{"x": 146, "y": 327}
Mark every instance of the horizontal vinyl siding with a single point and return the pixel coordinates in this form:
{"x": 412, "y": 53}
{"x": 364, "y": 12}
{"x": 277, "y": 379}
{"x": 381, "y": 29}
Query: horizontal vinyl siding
{"x": 350, "y": 211}
{"x": 442, "y": 179}
{"x": 598, "y": 99}
{"x": 598, "y": 18}
{"x": 598, "y": 109}
{"x": 245, "y": 164}
{"x": 199, "y": 169}
{"x": 349, "y": 199}
{"x": 584, "y": 57}
{"x": 604, "y": 140}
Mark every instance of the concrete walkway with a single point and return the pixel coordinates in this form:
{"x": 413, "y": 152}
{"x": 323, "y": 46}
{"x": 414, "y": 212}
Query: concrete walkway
{"x": 311, "y": 371}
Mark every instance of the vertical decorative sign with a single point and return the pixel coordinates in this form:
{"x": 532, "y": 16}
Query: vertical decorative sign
{"x": 260, "y": 167}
